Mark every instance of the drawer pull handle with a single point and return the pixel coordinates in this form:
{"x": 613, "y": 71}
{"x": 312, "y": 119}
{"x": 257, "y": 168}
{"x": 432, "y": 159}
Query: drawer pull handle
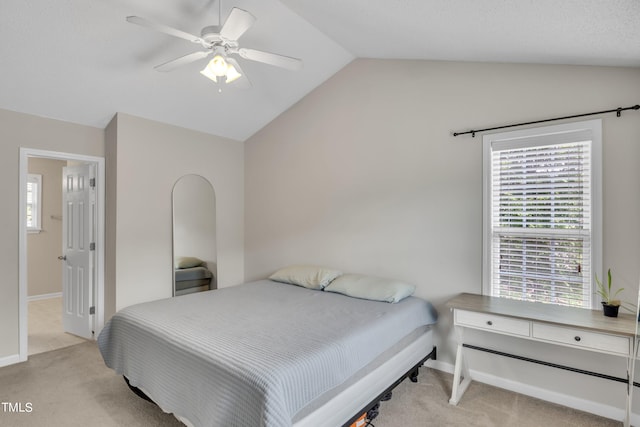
{"x": 577, "y": 338}
{"x": 489, "y": 322}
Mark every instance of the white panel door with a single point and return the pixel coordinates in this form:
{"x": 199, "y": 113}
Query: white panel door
{"x": 78, "y": 248}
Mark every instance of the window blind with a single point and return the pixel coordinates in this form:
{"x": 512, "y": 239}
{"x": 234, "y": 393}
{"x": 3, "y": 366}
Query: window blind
{"x": 34, "y": 198}
{"x": 30, "y": 205}
{"x": 541, "y": 220}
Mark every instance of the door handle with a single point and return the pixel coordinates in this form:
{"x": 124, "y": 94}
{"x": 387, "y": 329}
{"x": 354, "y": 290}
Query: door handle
{"x": 62, "y": 257}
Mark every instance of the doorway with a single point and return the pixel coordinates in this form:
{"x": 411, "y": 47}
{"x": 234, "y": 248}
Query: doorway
{"x": 69, "y": 292}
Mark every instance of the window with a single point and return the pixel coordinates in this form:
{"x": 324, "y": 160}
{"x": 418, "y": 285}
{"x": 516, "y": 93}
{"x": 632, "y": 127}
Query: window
{"x": 34, "y": 203}
{"x": 542, "y": 206}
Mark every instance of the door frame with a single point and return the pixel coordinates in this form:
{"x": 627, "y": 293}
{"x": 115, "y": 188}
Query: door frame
{"x": 98, "y": 321}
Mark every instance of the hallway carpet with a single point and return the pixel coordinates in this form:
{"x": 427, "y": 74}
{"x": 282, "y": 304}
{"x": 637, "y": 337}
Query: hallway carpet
{"x": 45, "y": 326}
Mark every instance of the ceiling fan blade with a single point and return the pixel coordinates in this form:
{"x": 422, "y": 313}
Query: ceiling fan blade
{"x": 242, "y": 82}
{"x": 183, "y": 60}
{"x": 164, "y": 29}
{"x": 237, "y": 23}
{"x": 271, "y": 59}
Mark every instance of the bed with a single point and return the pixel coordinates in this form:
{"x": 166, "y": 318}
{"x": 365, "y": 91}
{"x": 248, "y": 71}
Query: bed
{"x": 192, "y": 274}
{"x": 192, "y": 279}
{"x": 268, "y": 354}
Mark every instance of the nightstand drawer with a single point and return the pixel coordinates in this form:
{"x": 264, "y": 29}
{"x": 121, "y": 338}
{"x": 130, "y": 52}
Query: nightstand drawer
{"x": 582, "y": 339}
{"x": 493, "y": 323}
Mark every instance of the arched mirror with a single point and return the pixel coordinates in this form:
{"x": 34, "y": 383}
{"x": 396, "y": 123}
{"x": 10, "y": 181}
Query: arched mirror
{"x": 194, "y": 235}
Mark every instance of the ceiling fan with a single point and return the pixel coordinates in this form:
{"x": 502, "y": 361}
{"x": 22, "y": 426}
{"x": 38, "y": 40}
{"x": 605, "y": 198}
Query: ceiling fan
{"x": 221, "y": 42}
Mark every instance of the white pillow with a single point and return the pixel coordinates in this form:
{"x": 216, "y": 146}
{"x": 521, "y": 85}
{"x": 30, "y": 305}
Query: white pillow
{"x": 308, "y": 276}
{"x": 372, "y": 288}
{"x": 188, "y": 262}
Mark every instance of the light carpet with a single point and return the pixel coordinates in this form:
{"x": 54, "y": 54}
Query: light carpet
{"x": 73, "y": 387}
{"x": 45, "y": 326}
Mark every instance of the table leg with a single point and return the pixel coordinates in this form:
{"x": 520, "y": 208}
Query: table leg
{"x": 461, "y": 371}
{"x": 631, "y": 366}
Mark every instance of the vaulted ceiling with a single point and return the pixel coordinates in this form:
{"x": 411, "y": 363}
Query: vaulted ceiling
{"x": 81, "y": 62}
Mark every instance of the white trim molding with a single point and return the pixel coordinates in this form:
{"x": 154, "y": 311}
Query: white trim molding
{"x": 569, "y": 401}
{"x": 584, "y": 405}
{"x": 25, "y": 154}
{"x": 44, "y": 296}
{"x": 573, "y": 132}
{"x": 10, "y": 360}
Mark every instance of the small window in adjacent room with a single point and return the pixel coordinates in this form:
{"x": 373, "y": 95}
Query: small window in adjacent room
{"x": 542, "y": 213}
{"x": 34, "y": 203}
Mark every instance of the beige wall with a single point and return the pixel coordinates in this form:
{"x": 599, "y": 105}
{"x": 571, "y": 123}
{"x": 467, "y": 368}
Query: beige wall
{"x": 143, "y": 160}
{"x": 44, "y": 270}
{"x": 22, "y": 130}
{"x": 149, "y": 157}
{"x": 364, "y": 175}
{"x": 111, "y": 203}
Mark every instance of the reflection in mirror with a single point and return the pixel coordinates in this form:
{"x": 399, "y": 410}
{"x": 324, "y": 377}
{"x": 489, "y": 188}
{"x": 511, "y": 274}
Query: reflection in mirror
{"x": 194, "y": 235}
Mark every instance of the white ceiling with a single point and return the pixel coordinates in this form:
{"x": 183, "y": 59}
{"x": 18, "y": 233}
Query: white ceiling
{"x": 81, "y": 62}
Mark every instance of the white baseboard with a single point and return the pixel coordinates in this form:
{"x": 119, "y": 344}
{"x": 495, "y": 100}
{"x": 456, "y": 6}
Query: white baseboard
{"x": 439, "y": 365}
{"x": 584, "y": 405}
{"x": 10, "y": 360}
{"x": 44, "y": 296}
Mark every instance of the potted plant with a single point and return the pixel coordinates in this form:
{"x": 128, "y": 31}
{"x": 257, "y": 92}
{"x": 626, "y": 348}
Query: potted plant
{"x": 610, "y": 305}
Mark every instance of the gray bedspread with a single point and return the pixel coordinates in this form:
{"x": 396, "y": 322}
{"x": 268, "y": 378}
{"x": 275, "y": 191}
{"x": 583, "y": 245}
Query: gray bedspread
{"x": 254, "y": 354}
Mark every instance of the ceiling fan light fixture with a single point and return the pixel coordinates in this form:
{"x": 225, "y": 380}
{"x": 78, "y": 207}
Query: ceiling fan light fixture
{"x": 220, "y": 41}
{"x": 219, "y": 67}
{"x": 232, "y": 73}
{"x": 208, "y": 74}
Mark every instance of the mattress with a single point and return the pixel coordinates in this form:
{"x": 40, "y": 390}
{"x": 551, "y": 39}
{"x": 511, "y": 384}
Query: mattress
{"x": 341, "y": 403}
{"x": 191, "y": 286}
{"x": 190, "y": 280}
{"x": 254, "y": 354}
{"x": 193, "y": 273}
